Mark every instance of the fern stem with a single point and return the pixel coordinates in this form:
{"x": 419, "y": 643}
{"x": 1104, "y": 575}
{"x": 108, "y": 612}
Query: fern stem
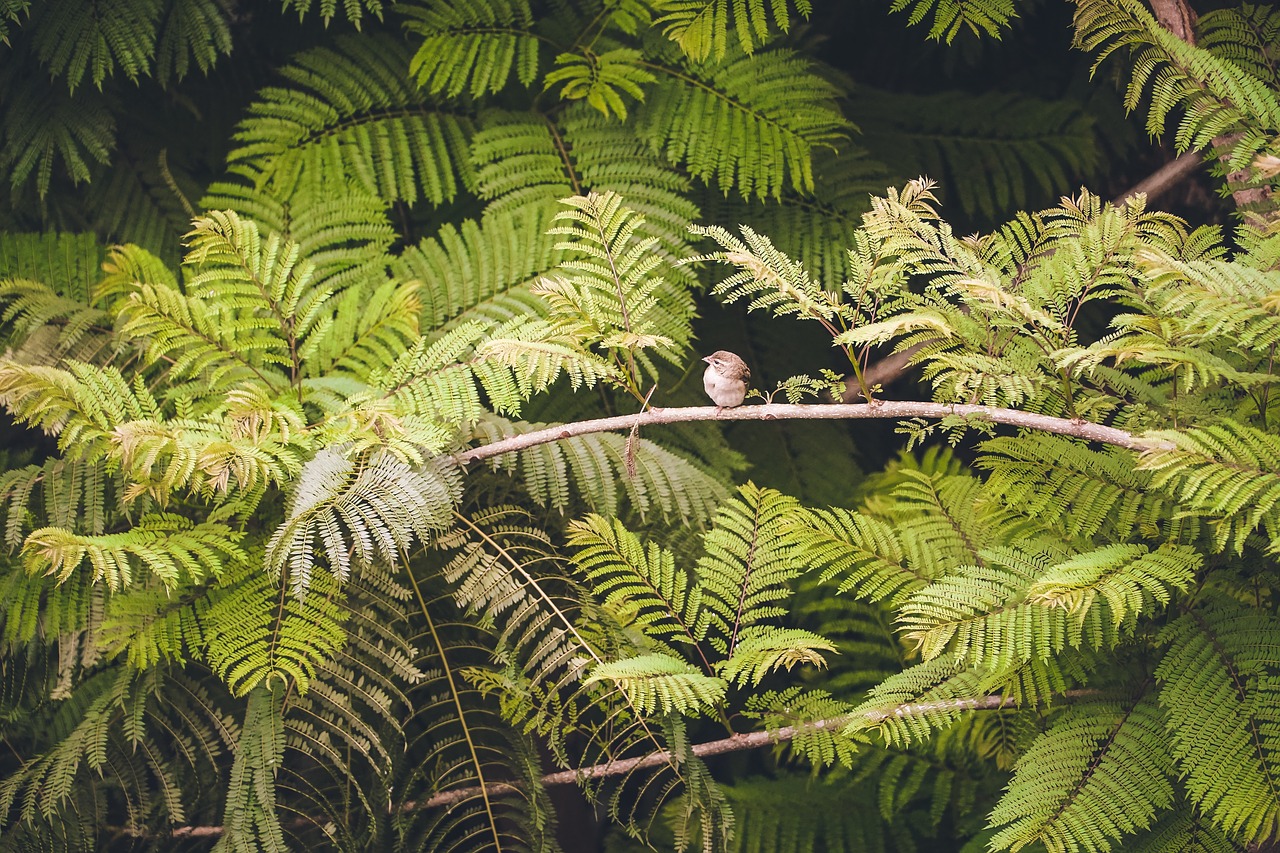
{"x": 881, "y": 409}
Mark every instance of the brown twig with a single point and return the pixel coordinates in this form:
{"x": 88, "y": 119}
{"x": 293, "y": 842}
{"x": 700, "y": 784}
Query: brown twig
{"x": 734, "y": 743}
{"x": 880, "y": 409}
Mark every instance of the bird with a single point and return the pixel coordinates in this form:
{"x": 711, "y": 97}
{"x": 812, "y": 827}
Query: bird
{"x": 725, "y": 379}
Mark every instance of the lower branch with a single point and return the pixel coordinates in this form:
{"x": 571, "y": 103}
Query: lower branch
{"x": 734, "y": 743}
{"x": 837, "y": 411}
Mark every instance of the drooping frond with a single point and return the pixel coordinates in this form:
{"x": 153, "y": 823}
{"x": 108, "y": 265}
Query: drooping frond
{"x": 81, "y": 37}
{"x": 349, "y": 112}
{"x": 1086, "y": 491}
{"x": 1211, "y": 95}
{"x": 250, "y": 820}
{"x": 11, "y": 12}
{"x": 1221, "y": 697}
{"x": 473, "y": 47}
{"x": 1228, "y": 472}
{"x": 747, "y": 566}
{"x": 1099, "y": 773}
{"x": 950, "y": 17}
{"x": 610, "y": 474}
{"x": 771, "y": 104}
{"x": 258, "y": 634}
{"x": 702, "y": 27}
{"x": 192, "y": 33}
{"x": 166, "y": 545}
{"x": 364, "y": 509}
{"x": 662, "y": 684}
{"x": 354, "y": 9}
{"x": 457, "y": 739}
{"x": 74, "y": 131}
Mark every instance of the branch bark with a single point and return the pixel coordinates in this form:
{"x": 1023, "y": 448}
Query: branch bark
{"x": 734, "y": 743}
{"x": 837, "y": 411}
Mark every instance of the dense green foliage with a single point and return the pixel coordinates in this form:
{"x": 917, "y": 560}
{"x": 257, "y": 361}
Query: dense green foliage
{"x": 255, "y": 599}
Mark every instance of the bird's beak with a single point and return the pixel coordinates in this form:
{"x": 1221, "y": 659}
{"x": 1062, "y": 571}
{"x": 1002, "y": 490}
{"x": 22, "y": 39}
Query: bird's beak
{"x": 707, "y": 359}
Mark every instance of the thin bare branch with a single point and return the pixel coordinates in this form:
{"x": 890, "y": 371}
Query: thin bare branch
{"x": 880, "y": 409}
{"x": 734, "y": 743}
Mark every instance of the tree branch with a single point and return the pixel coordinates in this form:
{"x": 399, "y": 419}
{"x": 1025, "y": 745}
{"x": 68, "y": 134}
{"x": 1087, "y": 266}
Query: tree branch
{"x": 734, "y": 743}
{"x": 838, "y": 411}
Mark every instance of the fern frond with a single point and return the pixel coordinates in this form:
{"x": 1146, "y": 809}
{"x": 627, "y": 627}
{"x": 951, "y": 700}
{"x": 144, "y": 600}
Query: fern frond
{"x": 11, "y": 12}
{"x": 350, "y": 112}
{"x": 862, "y": 552}
{"x": 45, "y": 125}
{"x": 983, "y": 17}
{"x": 982, "y": 616}
{"x": 354, "y": 9}
{"x": 772, "y": 104}
{"x": 479, "y": 270}
{"x": 608, "y": 474}
{"x": 933, "y": 694}
{"x": 171, "y": 547}
{"x": 601, "y": 79}
{"x": 702, "y": 27}
{"x": 661, "y": 684}
{"x": 1129, "y": 578}
{"x": 624, "y": 573}
{"x": 1035, "y": 151}
{"x": 1220, "y": 694}
{"x": 191, "y": 31}
{"x": 1063, "y": 482}
{"x": 250, "y": 818}
{"x": 367, "y": 508}
{"x": 758, "y": 655}
{"x": 1243, "y": 36}
{"x": 1229, "y": 472}
{"x": 1214, "y": 96}
{"x": 473, "y": 47}
{"x": 1098, "y": 774}
{"x": 69, "y": 264}
{"x": 81, "y": 37}
{"x": 1183, "y": 830}
{"x": 747, "y": 566}
{"x": 258, "y": 634}
{"x": 813, "y": 716}
{"x": 612, "y": 295}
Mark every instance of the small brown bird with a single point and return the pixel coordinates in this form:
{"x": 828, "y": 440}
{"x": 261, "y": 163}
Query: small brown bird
{"x": 725, "y": 379}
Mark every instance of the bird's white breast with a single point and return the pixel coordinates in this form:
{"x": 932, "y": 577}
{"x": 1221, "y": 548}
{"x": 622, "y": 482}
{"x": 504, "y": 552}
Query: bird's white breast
{"x": 724, "y": 392}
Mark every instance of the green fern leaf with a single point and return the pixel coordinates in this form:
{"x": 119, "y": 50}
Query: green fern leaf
{"x": 760, "y": 654}
{"x": 725, "y": 109}
{"x": 1219, "y": 689}
{"x": 81, "y": 37}
{"x": 351, "y": 112}
{"x": 473, "y": 47}
{"x": 701, "y": 27}
{"x": 258, "y": 634}
{"x": 661, "y": 684}
{"x": 1098, "y": 774}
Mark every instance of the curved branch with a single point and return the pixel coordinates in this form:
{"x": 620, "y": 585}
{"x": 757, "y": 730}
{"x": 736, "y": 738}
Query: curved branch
{"x": 839, "y": 411}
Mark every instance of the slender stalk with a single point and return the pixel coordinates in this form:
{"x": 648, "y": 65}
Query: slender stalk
{"x": 838, "y": 411}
